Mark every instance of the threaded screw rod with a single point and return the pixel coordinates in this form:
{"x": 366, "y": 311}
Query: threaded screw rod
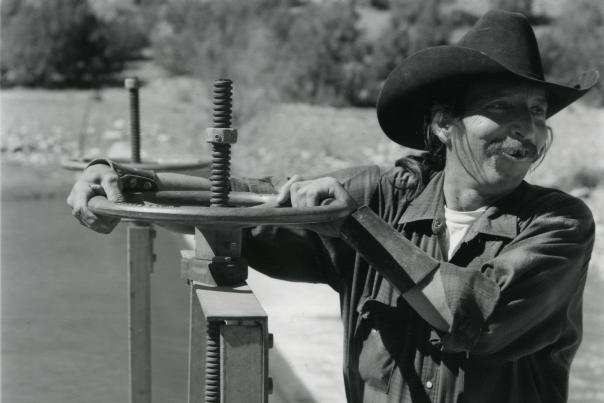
{"x": 132, "y": 85}
{"x": 221, "y": 151}
{"x": 212, "y": 380}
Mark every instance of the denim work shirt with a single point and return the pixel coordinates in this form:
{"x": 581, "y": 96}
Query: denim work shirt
{"x": 513, "y": 288}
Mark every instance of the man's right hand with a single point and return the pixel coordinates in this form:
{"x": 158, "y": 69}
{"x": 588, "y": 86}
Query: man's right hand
{"x": 98, "y": 179}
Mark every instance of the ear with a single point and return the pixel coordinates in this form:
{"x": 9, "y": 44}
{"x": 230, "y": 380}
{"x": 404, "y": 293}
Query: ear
{"x": 442, "y": 126}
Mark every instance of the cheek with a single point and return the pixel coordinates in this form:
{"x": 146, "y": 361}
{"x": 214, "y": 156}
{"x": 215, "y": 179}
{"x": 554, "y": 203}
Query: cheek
{"x": 479, "y": 127}
{"x": 475, "y": 133}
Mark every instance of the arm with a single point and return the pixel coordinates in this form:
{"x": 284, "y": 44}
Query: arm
{"x": 298, "y": 254}
{"x": 104, "y": 177}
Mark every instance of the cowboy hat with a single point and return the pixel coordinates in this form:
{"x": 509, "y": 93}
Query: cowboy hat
{"x": 499, "y": 44}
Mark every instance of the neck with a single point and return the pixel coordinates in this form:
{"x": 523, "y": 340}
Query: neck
{"x": 463, "y": 195}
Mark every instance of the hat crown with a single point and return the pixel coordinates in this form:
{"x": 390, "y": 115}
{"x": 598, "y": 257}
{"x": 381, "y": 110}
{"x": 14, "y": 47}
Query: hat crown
{"x": 508, "y": 38}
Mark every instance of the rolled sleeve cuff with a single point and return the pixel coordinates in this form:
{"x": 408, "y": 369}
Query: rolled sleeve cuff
{"x": 131, "y": 179}
{"x": 471, "y": 298}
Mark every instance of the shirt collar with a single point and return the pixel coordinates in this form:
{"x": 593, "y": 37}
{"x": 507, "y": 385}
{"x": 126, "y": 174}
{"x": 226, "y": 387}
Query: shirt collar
{"x": 497, "y": 220}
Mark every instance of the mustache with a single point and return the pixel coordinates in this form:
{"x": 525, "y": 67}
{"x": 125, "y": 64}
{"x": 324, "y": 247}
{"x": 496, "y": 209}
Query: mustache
{"x": 508, "y": 144}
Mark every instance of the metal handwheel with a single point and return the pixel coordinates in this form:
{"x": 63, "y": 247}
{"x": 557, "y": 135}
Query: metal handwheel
{"x": 192, "y": 207}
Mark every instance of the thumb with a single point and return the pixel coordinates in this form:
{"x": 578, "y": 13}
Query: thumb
{"x": 284, "y": 193}
{"x": 112, "y": 190}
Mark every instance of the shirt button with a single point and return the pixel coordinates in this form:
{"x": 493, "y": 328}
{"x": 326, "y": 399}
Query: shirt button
{"x": 429, "y": 385}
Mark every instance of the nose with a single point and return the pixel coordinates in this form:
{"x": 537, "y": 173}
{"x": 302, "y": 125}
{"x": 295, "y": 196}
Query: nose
{"x": 524, "y": 127}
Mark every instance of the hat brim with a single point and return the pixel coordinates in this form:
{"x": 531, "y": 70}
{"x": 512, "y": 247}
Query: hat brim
{"x": 411, "y": 88}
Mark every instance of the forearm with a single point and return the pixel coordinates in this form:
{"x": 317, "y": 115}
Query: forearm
{"x": 133, "y": 179}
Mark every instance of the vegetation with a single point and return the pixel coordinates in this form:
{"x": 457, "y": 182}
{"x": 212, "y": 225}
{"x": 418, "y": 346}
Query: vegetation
{"x": 574, "y": 43}
{"x": 295, "y": 50}
{"x": 58, "y": 43}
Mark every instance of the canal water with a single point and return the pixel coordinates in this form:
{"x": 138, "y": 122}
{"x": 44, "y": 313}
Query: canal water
{"x": 64, "y": 313}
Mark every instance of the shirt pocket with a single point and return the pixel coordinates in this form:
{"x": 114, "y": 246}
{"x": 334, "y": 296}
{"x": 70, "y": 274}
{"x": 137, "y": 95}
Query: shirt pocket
{"x": 379, "y": 339}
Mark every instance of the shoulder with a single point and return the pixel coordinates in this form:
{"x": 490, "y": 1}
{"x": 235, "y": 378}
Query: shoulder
{"x": 552, "y": 208}
{"x": 548, "y": 201}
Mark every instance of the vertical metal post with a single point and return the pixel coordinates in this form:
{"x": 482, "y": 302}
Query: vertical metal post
{"x": 140, "y": 266}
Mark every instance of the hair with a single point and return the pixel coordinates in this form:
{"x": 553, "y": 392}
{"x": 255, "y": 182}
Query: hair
{"x": 424, "y": 166}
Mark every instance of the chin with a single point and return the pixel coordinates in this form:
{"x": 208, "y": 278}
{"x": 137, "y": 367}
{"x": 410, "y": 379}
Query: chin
{"x": 504, "y": 182}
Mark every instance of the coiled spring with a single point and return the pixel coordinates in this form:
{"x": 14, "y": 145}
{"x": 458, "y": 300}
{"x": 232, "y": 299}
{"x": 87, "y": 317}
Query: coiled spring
{"x": 221, "y": 153}
{"x": 223, "y": 103}
{"x": 212, "y": 381}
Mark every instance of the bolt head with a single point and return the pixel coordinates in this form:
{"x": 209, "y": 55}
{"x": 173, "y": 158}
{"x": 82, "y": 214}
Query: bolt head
{"x": 131, "y": 83}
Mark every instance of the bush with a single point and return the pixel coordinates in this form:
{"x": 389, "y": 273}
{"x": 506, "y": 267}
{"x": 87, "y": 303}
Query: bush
{"x": 322, "y": 55}
{"x": 414, "y": 25}
{"x": 575, "y": 43}
{"x": 58, "y": 43}
{"x": 310, "y": 52}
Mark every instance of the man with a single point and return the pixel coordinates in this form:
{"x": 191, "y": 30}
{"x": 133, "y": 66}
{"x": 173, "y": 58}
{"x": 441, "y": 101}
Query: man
{"x": 475, "y": 292}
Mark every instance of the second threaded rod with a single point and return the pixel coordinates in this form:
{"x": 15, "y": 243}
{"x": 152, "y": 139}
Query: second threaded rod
{"x": 132, "y": 85}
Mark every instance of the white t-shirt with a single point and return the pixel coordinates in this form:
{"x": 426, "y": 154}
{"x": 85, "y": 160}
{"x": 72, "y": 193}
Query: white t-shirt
{"x": 458, "y": 223}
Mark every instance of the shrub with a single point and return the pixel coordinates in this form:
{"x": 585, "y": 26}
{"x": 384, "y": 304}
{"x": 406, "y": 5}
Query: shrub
{"x": 575, "y": 43}
{"x": 322, "y": 55}
{"x": 57, "y": 43}
{"x": 310, "y": 52}
{"x": 414, "y": 25}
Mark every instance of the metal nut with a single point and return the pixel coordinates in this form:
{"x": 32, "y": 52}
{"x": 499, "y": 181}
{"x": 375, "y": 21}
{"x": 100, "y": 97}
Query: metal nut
{"x": 220, "y": 135}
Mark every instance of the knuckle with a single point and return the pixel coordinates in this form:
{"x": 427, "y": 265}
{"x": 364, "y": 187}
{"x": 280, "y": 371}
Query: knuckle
{"x": 110, "y": 178}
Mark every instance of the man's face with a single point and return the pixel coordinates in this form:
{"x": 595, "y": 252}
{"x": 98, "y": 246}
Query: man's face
{"x": 501, "y": 134}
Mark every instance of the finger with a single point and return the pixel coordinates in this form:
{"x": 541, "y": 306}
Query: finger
{"x": 284, "y": 193}
{"x": 111, "y": 188}
{"x": 339, "y": 193}
{"x": 81, "y": 194}
{"x": 293, "y": 194}
{"x": 70, "y": 198}
{"x": 312, "y": 198}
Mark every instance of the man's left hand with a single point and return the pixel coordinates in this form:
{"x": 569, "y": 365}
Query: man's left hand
{"x": 316, "y": 192}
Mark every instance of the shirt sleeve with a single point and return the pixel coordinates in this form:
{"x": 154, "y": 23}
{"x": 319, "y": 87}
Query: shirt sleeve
{"x": 529, "y": 295}
{"x": 296, "y": 254}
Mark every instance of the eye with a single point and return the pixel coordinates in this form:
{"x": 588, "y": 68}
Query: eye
{"x": 538, "y": 111}
{"x": 499, "y": 106}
